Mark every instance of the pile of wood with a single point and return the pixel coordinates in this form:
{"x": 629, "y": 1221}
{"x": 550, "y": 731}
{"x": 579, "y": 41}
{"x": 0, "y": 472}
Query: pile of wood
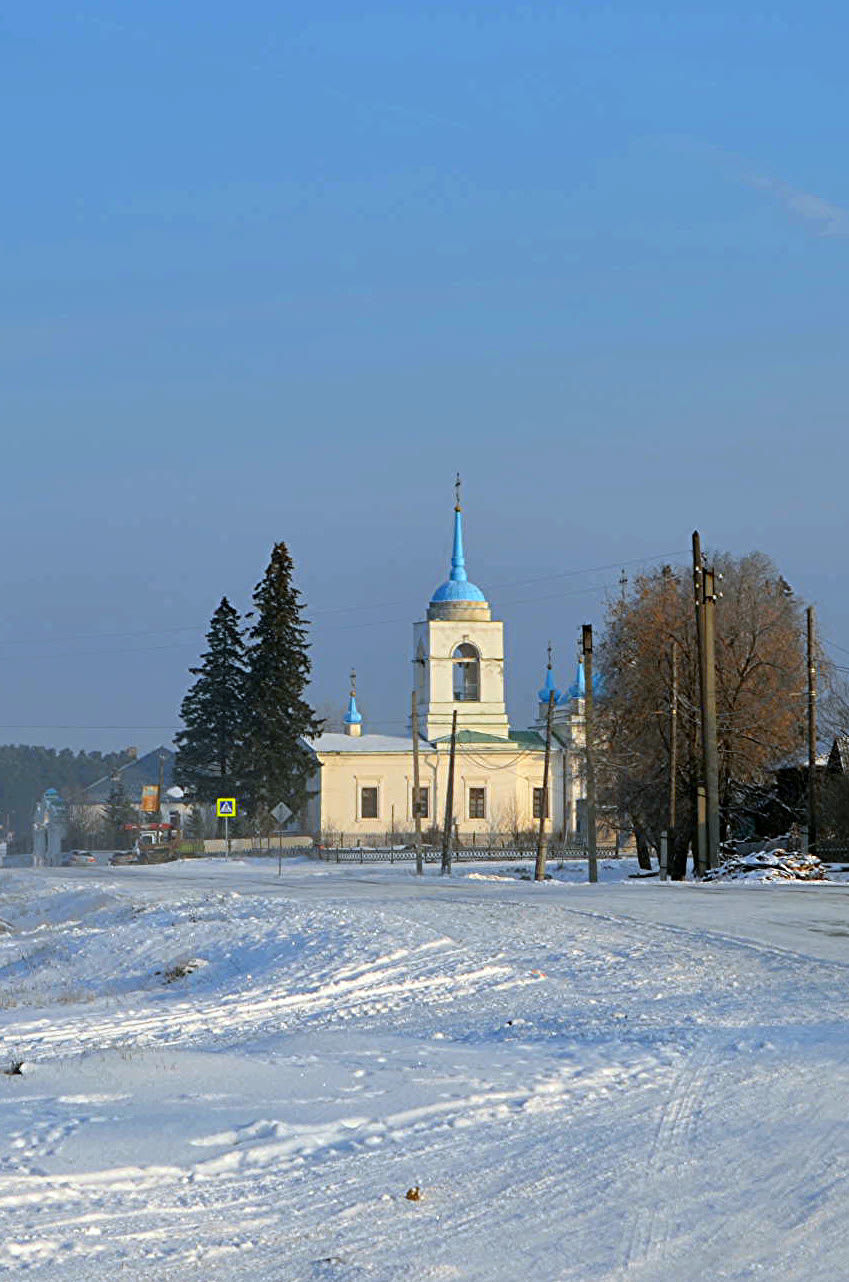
{"x": 769, "y": 865}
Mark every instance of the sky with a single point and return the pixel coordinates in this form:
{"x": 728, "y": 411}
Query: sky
{"x": 279, "y": 270}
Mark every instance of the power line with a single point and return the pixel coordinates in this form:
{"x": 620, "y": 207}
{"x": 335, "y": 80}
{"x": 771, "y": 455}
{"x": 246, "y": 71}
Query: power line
{"x": 127, "y": 728}
{"x": 369, "y": 605}
{"x": 345, "y": 627}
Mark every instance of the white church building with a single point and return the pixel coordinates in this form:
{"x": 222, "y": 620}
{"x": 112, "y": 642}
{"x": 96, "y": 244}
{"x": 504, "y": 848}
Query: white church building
{"x": 364, "y": 785}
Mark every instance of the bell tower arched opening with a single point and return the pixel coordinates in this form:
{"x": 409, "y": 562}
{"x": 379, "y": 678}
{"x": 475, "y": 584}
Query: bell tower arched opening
{"x": 467, "y": 674}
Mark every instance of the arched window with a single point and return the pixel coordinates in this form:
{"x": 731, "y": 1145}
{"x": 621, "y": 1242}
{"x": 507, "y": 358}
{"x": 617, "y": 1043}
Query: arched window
{"x": 467, "y": 674}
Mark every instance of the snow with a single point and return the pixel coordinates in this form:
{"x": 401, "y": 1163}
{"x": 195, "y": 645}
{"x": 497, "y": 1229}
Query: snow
{"x": 775, "y": 864}
{"x": 333, "y": 741}
{"x": 225, "y": 1071}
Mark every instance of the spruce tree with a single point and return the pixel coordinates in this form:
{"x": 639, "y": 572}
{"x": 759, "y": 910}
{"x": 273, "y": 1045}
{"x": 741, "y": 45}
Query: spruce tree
{"x": 278, "y": 766}
{"x": 213, "y": 714}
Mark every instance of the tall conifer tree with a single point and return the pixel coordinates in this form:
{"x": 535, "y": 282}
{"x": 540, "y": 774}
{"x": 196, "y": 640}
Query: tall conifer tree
{"x": 213, "y": 713}
{"x": 278, "y": 766}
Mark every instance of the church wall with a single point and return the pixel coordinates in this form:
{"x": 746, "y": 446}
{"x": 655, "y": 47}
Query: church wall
{"x": 508, "y": 786}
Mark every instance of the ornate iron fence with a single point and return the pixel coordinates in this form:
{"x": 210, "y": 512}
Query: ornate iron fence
{"x": 463, "y": 854}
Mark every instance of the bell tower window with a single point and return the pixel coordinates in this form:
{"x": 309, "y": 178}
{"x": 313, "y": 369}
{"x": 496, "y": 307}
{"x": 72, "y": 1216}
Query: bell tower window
{"x": 467, "y": 674}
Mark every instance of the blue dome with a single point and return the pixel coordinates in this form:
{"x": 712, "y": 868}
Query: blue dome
{"x": 457, "y": 587}
{"x": 353, "y": 717}
{"x": 458, "y": 590}
{"x": 545, "y": 693}
{"x": 578, "y": 688}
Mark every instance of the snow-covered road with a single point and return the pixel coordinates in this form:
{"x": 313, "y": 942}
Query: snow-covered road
{"x": 227, "y": 1073}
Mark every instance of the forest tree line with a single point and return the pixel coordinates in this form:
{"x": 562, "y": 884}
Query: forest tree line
{"x": 26, "y": 772}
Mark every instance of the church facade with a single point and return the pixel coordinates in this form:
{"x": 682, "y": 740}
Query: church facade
{"x": 364, "y": 784}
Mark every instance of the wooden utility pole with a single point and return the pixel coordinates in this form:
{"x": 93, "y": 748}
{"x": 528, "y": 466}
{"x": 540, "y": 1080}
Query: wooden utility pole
{"x": 812, "y": 731}
{"x": 449, "y": 802}
{"x": 587, "y": 648}
{"x": 701, "y": 831}
{"x": 417, "y": 804}
{"x": 673, "y": 745}
{"x": 539, "y": 872}
{"x": 709, "y": 717}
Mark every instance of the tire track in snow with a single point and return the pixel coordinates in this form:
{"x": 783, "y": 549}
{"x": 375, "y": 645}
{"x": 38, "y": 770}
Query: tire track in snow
{"x": 650, "y": 1226}
{"x": 406, "y": 977}
{"x": 709, "y": 936}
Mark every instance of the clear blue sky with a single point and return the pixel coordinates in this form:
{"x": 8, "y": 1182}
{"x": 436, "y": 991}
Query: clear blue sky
{"x": 277, "y": 270}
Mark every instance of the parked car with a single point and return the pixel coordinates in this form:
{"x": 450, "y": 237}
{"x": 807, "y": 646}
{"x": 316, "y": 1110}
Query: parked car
{"x": 124, "y": 857}
{"x": 78, "y": 858}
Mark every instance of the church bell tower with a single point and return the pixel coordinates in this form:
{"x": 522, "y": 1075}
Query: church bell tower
{"x": 458, "y": 655}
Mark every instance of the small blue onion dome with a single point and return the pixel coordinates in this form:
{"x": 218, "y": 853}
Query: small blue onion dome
{"x": 578, "y": 688}
{"x": 545, "y": 693}
{"x": 353, "y": 716}
{"x": 458, "y": 587}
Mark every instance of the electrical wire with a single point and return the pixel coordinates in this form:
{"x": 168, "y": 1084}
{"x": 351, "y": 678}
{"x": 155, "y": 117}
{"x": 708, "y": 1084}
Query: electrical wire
{"x": 370, "y": 605}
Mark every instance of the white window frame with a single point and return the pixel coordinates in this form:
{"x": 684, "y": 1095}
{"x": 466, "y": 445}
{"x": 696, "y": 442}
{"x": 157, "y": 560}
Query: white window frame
{"x": 476, "y": 787}
{"x": 368, "y": 783}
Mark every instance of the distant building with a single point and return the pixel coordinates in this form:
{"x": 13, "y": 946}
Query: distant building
{"x": 138, "y": 774}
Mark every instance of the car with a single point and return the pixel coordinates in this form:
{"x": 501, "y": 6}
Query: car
{"x": 124, "y": 857}
{"x": 78, "y": 858}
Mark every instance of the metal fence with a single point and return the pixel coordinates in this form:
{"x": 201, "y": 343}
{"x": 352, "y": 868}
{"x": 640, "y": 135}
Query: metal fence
{"x": 463, "y": 854}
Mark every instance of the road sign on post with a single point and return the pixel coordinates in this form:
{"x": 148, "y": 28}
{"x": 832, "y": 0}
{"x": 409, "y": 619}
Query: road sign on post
{"x": 226, "y": 809}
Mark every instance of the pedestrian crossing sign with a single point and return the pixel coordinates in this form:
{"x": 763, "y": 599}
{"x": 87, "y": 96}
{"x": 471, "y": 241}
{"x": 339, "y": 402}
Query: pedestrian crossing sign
{"x": 225, "y": 807}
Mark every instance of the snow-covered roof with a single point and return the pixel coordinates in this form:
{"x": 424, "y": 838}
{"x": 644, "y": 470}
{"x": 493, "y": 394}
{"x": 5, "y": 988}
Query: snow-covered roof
{"x": 363, "y": 743}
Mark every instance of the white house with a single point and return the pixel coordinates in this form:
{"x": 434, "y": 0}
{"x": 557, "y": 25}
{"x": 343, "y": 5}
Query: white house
{"x": 365, "y": 781}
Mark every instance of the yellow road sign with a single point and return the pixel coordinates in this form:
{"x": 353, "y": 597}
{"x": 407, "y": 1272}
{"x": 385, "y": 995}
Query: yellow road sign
{"x": 225, "y": 807}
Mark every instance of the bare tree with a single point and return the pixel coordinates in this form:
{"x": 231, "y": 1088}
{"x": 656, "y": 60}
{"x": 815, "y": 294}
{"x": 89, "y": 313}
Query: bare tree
{"x": 760, "y": 669}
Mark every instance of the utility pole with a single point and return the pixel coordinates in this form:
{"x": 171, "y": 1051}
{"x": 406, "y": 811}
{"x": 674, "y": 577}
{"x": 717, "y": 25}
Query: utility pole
{"x": 539, "y": 872}
{"x": 701, "y": 831}
{"x": 812, "y": 731}
{"x": 673, "y": 745}
{"x": 417, "y": 807}
{"x": 709, "y": 717}
{"x": 449, "y": 802}
{"x": 161, "y": 782}
{"x": 587, "y": 648}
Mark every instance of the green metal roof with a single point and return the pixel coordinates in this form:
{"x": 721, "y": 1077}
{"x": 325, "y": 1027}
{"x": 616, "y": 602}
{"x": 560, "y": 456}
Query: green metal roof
{"x": 526, "y": 738}
{"x": 473, "y": 736}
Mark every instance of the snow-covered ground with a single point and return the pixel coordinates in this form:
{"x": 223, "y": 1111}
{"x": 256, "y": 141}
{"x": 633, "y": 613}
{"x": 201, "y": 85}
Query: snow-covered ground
{"x": 227, "y": 1074}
